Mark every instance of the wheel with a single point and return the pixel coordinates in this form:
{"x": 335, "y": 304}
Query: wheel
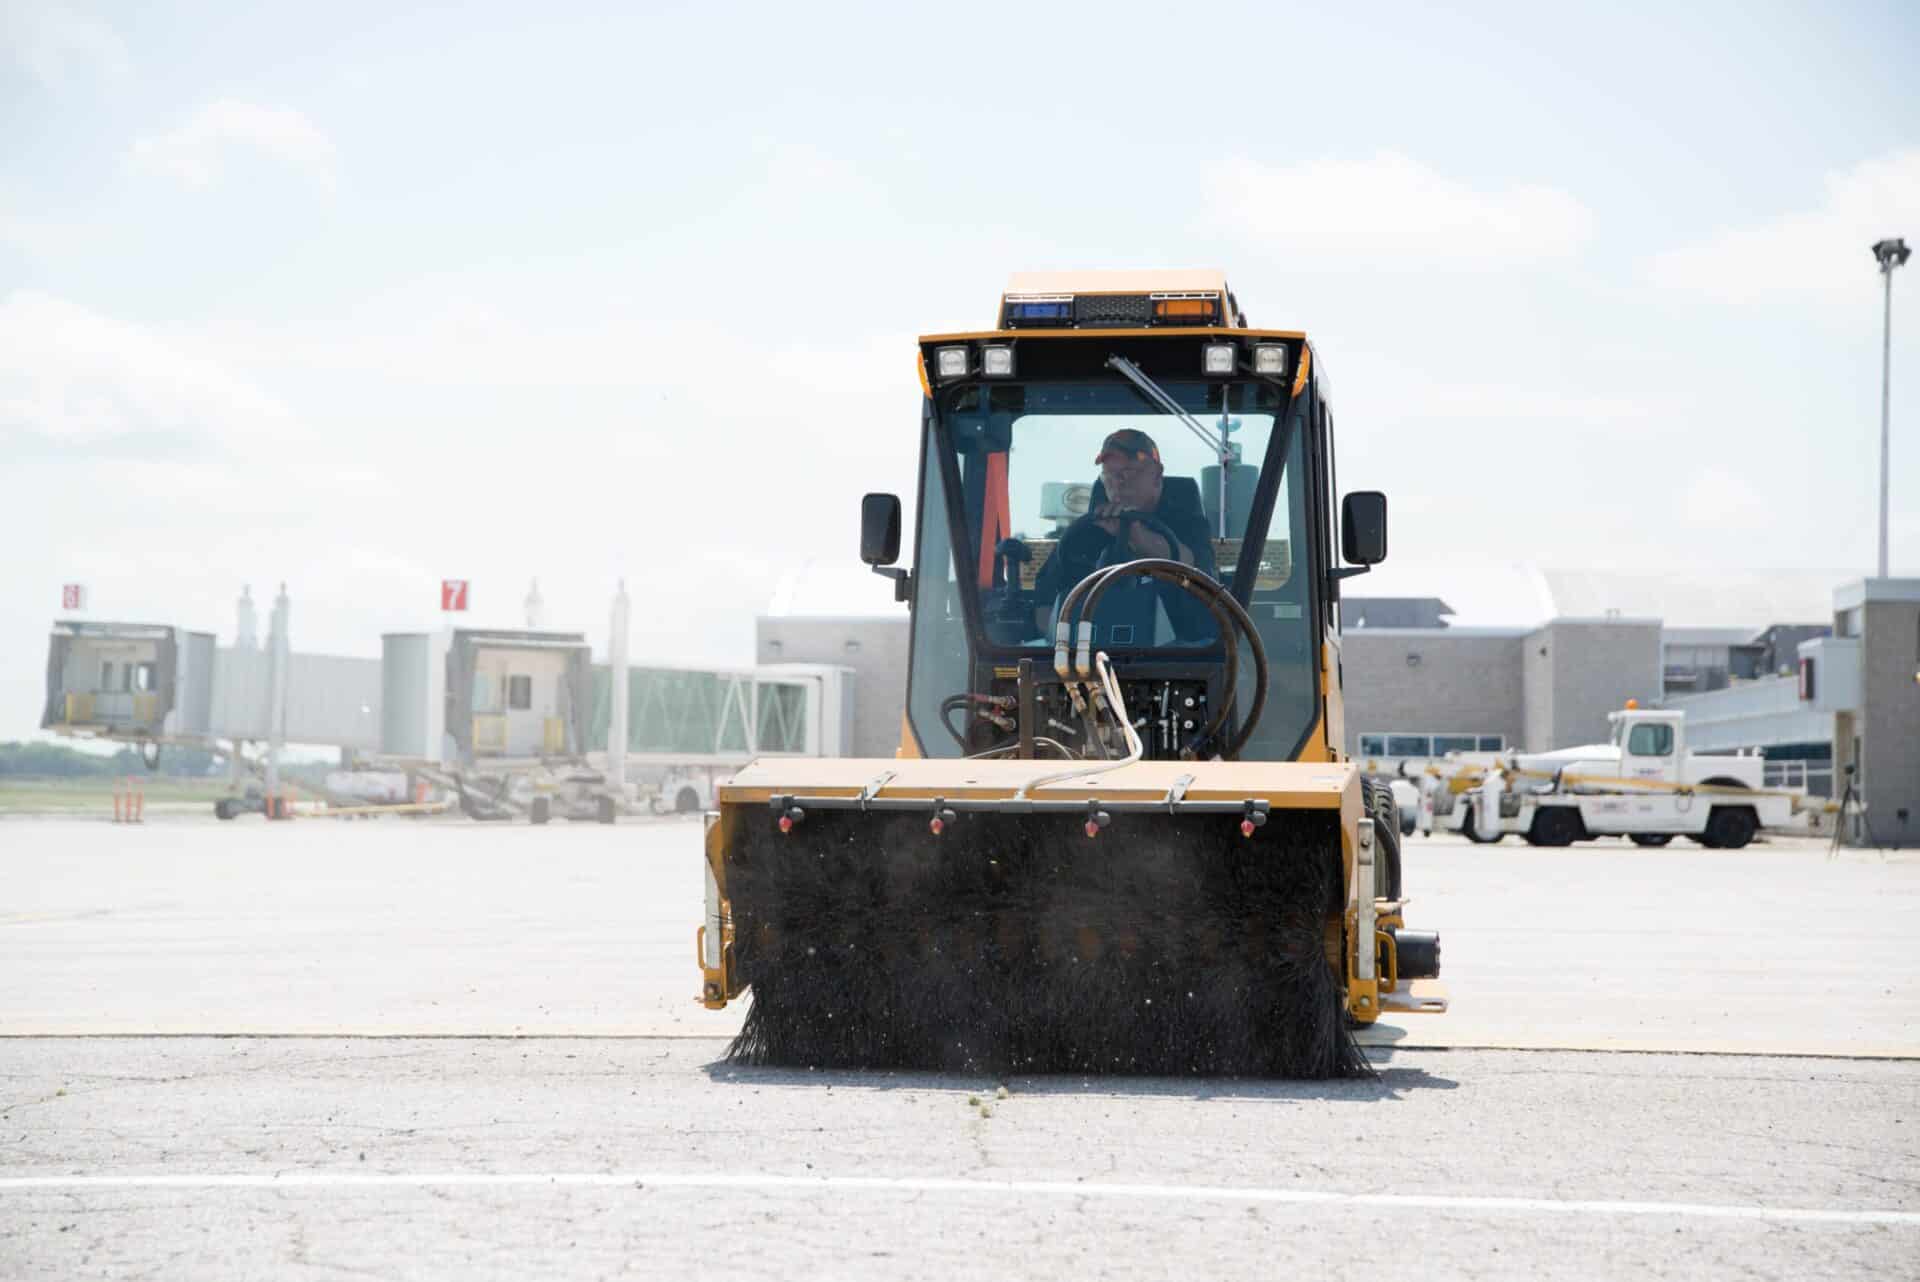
{"x": 1731, "y": 827}
{"x": 606, "y": 810}
{"x": 541, "y": 810}
{"x": 1556, "y": 826}
{"x": 686, "y": 801}
{"x": 223, "y": 808}
{"x": 1650, "y": 838}
{"x": 1472, "y": 834}
{"x": 1407, "y": 825}
{"x": 1385, "y": 813}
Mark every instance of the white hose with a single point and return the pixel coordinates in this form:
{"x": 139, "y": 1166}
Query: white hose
{"x": 1135, "y": 749}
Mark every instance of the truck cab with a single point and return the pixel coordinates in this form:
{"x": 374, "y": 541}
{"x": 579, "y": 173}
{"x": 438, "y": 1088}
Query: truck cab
{"x": 1035, "y": 440}
{"x": 1652, "y": 745}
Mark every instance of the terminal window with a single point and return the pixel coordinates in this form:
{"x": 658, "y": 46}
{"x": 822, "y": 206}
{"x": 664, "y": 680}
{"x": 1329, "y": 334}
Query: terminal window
{"x": 519, "y": 693}
{"x": 1429, "y": 745}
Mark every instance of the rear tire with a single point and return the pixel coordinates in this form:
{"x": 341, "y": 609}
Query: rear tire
{"x": 1731, "y": 827}
{"x": 541, "y": 810}
{"x": 686, "y": 801}
{"x": 1556, "y": 826}
{"x": 1650, "y": 838}
{"x": 1385, "y": 813}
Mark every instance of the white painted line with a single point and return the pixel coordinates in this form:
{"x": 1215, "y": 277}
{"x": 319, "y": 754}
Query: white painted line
{"x": 1437, "y": 1037}
{"x": 1433, "y": 1037}
{"x": 917, "y": 1184}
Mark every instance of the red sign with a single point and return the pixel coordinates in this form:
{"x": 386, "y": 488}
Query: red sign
{"x": 73, "y": 596}
{"x": 453, "y": 594}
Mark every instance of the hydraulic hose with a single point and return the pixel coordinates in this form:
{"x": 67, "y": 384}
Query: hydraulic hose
{"x": 1221, "y": 618}
{"x": 1084, "y": 600}
{"x": 1212, "y": 592}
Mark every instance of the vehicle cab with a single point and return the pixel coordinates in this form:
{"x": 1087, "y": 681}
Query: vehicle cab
{"x": 1652, "y": 744}
{"x": 1110, "y": 418}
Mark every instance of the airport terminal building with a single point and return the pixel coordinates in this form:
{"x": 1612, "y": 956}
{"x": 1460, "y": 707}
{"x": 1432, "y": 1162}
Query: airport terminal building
{"x": 1814, "y": 670}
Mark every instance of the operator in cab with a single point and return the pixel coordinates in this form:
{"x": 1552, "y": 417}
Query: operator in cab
{"x": 1136, "y": 514}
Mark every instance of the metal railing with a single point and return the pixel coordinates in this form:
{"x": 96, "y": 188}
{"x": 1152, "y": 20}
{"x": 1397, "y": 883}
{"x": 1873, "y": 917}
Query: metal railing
{"x": 1813, "y": 777}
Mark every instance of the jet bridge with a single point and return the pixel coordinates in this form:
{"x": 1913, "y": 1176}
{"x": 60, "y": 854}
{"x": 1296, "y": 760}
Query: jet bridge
{"x": 147, "y": 683}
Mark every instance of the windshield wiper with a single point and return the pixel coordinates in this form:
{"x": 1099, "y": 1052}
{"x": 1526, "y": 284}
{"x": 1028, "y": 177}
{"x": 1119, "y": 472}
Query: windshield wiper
{"x": 1221, "y": 449}
{"x": 1158, "y": 395}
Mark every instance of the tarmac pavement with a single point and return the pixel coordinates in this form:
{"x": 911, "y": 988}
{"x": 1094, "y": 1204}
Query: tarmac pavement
{"x": 499, "y": 1071}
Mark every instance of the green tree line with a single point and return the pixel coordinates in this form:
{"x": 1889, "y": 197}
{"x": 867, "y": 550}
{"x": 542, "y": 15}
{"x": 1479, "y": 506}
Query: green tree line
{"x": 58, "y": 761}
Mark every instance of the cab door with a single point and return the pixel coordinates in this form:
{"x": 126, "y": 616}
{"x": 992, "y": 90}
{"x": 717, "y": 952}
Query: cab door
{"x": 1650, "y": 752}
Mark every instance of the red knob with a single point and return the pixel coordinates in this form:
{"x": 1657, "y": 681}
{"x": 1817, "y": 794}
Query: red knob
{"x": 1093, "y": 829}
{"x": 1246, "y": 827}
{"x": 935, "y": 825}
{"x": 786, "y": 823}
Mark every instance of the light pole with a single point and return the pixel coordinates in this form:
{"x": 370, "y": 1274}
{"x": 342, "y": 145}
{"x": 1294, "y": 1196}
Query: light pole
{"x": 1891, "y": 254}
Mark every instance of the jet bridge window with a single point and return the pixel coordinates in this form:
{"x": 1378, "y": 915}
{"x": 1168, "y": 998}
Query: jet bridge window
{"x": 1650, "y": 739}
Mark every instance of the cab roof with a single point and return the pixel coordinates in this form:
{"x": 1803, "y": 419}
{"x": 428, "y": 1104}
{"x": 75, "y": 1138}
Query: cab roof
{"x": 1175, "y": 280}
{"x": 1133, "y": 299}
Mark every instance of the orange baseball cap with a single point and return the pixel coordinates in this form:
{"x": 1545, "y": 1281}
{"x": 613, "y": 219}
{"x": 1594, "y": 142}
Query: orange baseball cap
{"x": 1129, "y": 442}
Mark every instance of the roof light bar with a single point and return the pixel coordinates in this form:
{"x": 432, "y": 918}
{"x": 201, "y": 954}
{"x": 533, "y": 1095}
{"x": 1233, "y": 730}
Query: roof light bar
{"x": 1037, "y": 311}
{"x": 1189, "y": 309}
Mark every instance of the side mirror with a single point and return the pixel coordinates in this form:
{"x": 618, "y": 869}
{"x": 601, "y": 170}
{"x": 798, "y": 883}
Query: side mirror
{"x": 1363, "y": 527}
{"x": 880, "y": 529}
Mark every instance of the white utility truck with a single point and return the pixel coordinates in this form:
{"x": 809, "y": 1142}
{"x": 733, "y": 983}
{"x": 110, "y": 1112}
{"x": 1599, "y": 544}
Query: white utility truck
{"x": 1645, "y": 785}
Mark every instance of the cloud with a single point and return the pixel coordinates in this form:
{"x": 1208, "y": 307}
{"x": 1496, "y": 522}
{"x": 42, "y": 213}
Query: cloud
{"x": 71, "y": 377}
{"x": 1816, "y": 253}
{"x": 1391, "y": 206}
{"x": 58, "y": 47}
{"x": 195, "y": 152}
{"x": 1721, "y": 498}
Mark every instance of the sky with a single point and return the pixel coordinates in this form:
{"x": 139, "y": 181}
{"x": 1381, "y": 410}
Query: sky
{"x": 356, "y": 297}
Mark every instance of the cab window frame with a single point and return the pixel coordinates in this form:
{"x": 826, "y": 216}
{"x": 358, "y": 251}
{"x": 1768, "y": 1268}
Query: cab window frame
{"x": 1658, "y": 731}
{"x": 1294, "y": 427}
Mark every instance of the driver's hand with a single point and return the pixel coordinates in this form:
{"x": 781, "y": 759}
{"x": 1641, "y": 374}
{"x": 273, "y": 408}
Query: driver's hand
{"x": 1105, "y": 516}
{"x": 1145, "y": 542}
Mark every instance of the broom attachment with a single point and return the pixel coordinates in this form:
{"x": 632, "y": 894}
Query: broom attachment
{"x": 1073, "y": 939}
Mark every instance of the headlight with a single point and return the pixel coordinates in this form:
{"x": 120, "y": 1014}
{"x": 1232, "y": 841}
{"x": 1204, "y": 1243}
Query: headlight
{"x": 996, "y": 362}
{"x": 1218, "y": 358}
{"x": 1270, "y": 359}
{"x": 950, "y": 362}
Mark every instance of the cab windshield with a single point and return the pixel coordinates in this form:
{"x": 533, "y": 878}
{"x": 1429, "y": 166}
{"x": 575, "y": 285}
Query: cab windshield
{"x": 1031, "y": 486}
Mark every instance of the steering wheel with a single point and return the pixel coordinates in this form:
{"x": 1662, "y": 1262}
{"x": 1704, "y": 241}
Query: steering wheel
{"x": 1085, "y": 549}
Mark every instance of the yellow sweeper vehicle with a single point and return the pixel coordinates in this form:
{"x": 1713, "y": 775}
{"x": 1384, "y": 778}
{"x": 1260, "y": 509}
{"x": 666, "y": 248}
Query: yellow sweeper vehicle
{"x": 1121, "y": 833}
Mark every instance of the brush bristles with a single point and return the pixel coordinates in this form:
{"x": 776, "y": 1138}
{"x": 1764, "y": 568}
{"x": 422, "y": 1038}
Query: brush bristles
{"x": 1167, "y": 945}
